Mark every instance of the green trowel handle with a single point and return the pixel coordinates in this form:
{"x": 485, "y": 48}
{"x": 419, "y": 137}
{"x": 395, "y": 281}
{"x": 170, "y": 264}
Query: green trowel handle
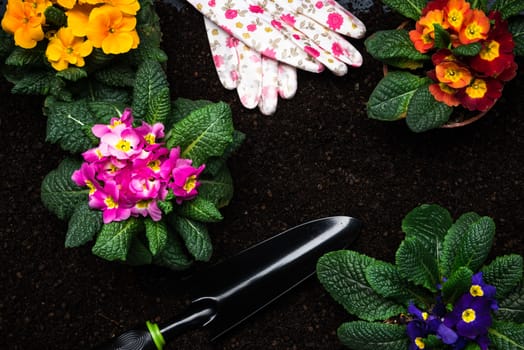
{"x": 147, "y": 338}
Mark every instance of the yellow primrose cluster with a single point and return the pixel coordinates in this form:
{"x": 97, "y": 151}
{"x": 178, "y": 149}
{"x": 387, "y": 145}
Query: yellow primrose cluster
{"x": 109, "y": 25}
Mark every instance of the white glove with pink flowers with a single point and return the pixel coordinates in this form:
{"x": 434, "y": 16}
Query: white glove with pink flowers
{"x": 272, "y": 37}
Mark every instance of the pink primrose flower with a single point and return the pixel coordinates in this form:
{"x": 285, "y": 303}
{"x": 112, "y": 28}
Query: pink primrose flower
{"x": 122, "y": 144}
{"x": 108, "y": 200}
{"x": 151, "y": 133}
{"x": 147, "y": 207}
{"x": 126, "y": 119}
{"x": 231, "y": 14}
{"x": 85, "y": 177}
{"x": 185, "y": 182}
{"x": 335, "y": 20}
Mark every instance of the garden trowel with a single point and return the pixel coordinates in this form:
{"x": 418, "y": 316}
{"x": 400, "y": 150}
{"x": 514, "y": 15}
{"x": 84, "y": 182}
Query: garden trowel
{"x": 235, "y": 289}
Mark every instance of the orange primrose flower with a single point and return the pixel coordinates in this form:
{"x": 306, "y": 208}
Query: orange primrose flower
{"x": 475, "y": 27}
{"x": 65, "y": 48}
{"x": 78, "y": 18}
{"x": 481, "y": 94}
{"x": 443, "y": 93}
{"x": 129, "y": 7}
{"x": 111, "y": 30}
{"x": 23, "y": 20}
{"x": 67, "y": 4}
{"x": 455, "y": 12}
{"x": 432, "y": 18}
{"x": 422, "y": 42}
{"x": 453, "y": 74}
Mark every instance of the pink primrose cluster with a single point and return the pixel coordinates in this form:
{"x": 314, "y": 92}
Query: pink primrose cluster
{"x": 130, "y": 171}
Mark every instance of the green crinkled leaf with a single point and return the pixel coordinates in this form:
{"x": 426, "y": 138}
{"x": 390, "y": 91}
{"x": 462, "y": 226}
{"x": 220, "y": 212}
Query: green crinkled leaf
{"x": 505, "y": 273}
{"x": 442, "y": 37}
{"x": 115, "y": 238}
{"x": 386, "y": 280}
{"x": 26, "y": 57}
{"x": 217, "y": 189}
{"x": 394, "y": 47}
{"x": 72, "y": 73}
{"x": 103, "y": 111}
{"x": 428, "y": 223}
{"x": 511, "y": 308}
{"x": 151, "y": 100}
{"x": 467, "y": 50}
{"x": 173, "y": 255}
{"x": 475, "y": 244}
{"x": 506, "y": 335}
{"x": 410, "y": 9}
{"x": 98, "y": 59}
{"x": 417, "y": 264}
{"x": 424, "y": 112}
{"x": 182, "y": 107}
{"x": 55, "y": 16}
{"x": 457, "y": 284}
{"x": 453, "y": 239}
{"x": 59, "y": 193}
{"x": 7, "y": 44}
{"x": 68, "y": 124}
{"x": 99, "y": 92}
{"x": 516, "y": 27}
{"x": 156, "y": 233}
{"x": 117, "y": 75}
{"x": 138, "y": 254}
{"x": 214, "y": 164}
{"x": 204, "y": 133}
{"x": 83, "y": 225}
{"x": 195, "y": 236}
{"x": 342, "y": 273}
{"x": 200, "y": 209}
{"x": 39, "y": 83}
{"x": 360, "y": 335}
{"x": 508, "y": 8}
{"x": 390, "y": 98}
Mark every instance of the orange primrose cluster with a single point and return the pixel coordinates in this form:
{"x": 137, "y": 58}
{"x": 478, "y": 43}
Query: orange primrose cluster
{"x": 474, "y": 82}
{"x": 109, "y": 25}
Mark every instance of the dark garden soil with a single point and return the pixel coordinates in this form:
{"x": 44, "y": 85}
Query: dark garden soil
{"x": 319, "y": 155}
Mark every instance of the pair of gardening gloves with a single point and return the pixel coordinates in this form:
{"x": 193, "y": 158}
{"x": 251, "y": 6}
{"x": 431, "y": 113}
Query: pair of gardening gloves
{"x": 258, "y": 44}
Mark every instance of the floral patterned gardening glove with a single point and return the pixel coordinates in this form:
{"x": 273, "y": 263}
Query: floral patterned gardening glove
{"x": 299, "y": 33}
{"x": 259, "y": 80}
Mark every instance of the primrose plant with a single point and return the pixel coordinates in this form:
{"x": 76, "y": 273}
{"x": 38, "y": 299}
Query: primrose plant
{"x": 150, "y": 178}
{"x": 455, "y": 58}
{"x": 439, "y": 294}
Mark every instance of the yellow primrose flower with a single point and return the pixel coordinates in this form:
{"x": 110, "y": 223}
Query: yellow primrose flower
{"x": 91, "y": 2}
{"x": 23, "y": 20}
{"x": 78, "y": 18}
{"x": 67, "y": 4}
{"x": 111, "y": 30}
{"x": 129, "y": 7}
{"x": 65, "y": 48}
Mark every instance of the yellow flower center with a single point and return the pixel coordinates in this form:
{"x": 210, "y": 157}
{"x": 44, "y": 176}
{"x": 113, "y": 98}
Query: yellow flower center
{"x": 478, "y": 89}
{"x": 142, "y": 204}
{"x": 473, "y": 31}
{"x": 190, "y": 183}
{"x": 468, "y": 315}
{"x": 419, "y": 343}
{"x": 424, "y": 316}
{"x": 110, "y": 202}
{"x": 154, "y": 165}
{"x": 115, "y": 123}
{"x": 490, "y": 51}
{"x": 476, "y": 290}
{"x": 150, "y": 139}
{"x": 91, "y": 187}
{"x": 123, "y": 145}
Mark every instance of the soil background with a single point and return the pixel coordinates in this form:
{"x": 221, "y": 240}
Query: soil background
{"x": 319, "y": 155}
